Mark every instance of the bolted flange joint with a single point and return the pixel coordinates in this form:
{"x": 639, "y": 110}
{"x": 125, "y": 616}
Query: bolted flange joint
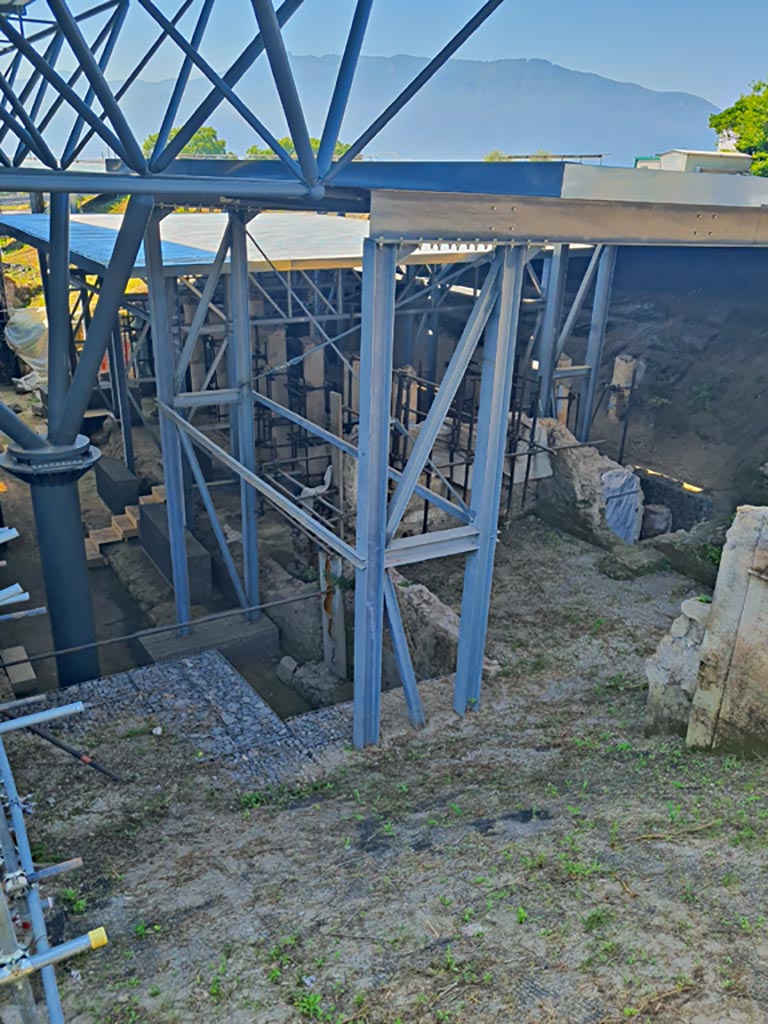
{"x": 59, "y": 463}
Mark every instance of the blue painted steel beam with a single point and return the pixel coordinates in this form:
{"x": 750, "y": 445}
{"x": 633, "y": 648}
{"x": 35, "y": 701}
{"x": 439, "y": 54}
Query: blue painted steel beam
{"x": 162, "y": 347}
{"x": 219, "y": 83}
{"x": 51, "y": 54}
{"x": 58, "y": 101}
{"x": 111, "y": 298}
{"x": 210, "y": 509}
{"x": 578, "y": 302}
{"x": 437, "y": 500}
{"x": 492, "y": 420}
{"x": 550, "y": 325}
{"x": 136, "y": 71}
{"x": 240, "y": 344}
{"x": 343, "y": 87}
{"x": 454, "y": 374}
{"x": 414, "y": 86}
{"x": 52, "y": 28}
{"x": 28, "y": 141}
{"x": 282, "y": 73}
{"x": 597, "y": 330}
{"x": 120, "y": 399}
{"x": 214, "y": 98}
{"x": 425, "y": 547}
{"x": 182, "y": 77}
{"x": 296, "y": 513}
{"x": 201, "y": 312}
{"x": 95, "y": 76}
{"x": 164, "y": 186}
{"x": 376, "y": 347}
{"x": 66, "y": 91}
{"x": 57, "y": 303}
{"x": 115, "y": 26}
{"x": 18, "y": 430}
{"x": 403, "y": 655}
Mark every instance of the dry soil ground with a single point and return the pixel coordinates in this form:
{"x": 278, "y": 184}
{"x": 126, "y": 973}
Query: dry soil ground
{"x": 539, "y": 861}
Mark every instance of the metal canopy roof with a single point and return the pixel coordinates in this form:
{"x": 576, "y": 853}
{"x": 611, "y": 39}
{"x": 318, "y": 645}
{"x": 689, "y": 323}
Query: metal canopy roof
{"x": 594, "y": 204}
{"x": 289, "y": 241}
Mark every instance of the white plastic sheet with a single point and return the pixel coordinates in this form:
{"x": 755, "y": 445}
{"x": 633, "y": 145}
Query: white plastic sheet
{"x": 27, "y": 335}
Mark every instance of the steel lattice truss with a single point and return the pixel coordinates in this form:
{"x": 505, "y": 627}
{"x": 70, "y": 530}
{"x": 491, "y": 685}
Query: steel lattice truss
{"x": 40, "y": 98}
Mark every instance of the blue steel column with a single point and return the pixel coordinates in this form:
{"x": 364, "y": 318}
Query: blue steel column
{"x": 120, "y": 399}
{"x": 57, "y": 303}
{"x": 495, "y": 396}
{"x": 376, "y": 345}
{"x": 550, "y": 326}
{"x": 597, "y": 330}
{"x": 240, "y": 340}
{"x": 162, "y": 346}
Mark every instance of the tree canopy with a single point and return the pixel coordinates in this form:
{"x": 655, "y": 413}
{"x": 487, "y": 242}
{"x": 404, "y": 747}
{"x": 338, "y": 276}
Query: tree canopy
{"x": 747, "y": 123}
{"x": 205, "y": 142}
{"x": 259, "y": 153}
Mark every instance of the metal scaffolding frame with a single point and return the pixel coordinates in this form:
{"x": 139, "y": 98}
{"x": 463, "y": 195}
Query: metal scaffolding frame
{"x": 506, "y": 212}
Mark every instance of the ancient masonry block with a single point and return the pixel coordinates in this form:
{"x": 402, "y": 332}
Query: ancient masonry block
{"x": 673, "y": 670}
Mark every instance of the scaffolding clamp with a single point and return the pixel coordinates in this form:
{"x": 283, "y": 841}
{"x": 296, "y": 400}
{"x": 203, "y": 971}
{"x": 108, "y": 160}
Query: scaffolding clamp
{"x": 16, "y": 883}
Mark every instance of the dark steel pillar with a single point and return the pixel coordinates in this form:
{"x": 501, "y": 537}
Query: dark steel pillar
{"x": 52, "y": 474}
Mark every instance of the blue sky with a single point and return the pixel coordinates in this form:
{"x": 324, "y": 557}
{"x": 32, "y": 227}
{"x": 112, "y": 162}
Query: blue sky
{"x": 708, "y": 47}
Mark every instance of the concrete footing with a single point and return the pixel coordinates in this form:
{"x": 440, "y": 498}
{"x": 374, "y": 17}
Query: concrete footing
{"x": 222, "y": 635}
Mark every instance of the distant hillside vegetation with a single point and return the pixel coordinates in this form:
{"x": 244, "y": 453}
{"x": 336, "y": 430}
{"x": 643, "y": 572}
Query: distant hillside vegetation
{"x": 469, "y": 108}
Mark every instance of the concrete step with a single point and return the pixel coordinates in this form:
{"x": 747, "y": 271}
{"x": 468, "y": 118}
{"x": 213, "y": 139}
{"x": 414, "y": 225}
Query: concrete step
{"x": 22, "y": 677}
{"x": 133, "y": 512}
{"x": 93, "y": 555}
{"x": 109, "y": 535}
{"x": 125, "y": 526}
{"x": 221, "y": 635}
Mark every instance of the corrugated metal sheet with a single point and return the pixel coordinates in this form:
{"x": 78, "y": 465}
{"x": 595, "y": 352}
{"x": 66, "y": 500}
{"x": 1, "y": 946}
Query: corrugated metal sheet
{"x": 190, "y": 240}
{"x": 288, "y": 241}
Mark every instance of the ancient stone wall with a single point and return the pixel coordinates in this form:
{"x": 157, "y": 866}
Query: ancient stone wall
{"x": 730, "y": 707}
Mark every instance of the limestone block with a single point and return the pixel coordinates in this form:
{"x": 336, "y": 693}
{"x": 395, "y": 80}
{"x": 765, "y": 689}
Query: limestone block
{"x": 657, "y": 519}
{"x": 730, "y": 707}
{"x": 287, "y": 669}
{"x": 679, "y": 627}
{"x": 574, "y": 497}
{"x": 696, "y": 610}
{"x": 731, "y": 700}
{"x": 672, "y": 674}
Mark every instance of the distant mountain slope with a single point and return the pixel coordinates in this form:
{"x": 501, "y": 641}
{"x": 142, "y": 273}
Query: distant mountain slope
{"x": 470, "y": 107}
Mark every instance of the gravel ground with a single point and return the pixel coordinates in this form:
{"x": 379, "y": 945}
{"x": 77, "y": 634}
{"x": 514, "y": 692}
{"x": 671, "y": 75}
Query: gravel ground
{"x": 540, "y": 861}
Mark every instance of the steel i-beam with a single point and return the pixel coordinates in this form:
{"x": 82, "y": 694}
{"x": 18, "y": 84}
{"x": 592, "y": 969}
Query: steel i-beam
{"x": 495, "y": 396}
{"x": 376, "y": 345}
{"x": 597, "y": 330}
{"x": 52, "y": 474}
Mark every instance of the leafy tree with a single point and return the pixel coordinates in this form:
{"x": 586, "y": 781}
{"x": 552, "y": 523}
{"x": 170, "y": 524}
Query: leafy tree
{"x": 496, "y": 156}
{"x": 747, "y": 123}
{"x": 259, "y": 153}
{"x": 205, "y": 142}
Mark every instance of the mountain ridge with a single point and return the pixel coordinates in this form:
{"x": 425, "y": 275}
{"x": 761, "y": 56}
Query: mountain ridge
{"x": 518, "y": 105}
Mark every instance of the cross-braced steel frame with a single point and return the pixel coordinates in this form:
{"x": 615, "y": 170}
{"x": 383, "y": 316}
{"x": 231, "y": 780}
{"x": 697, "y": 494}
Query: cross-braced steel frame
{"x": 36, "y": 95}
{"x": 507, "y": 219}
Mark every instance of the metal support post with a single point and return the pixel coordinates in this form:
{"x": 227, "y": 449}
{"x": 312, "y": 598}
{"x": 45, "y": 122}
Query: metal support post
{"x": 162, "y": 345}
{"x": 243, "y": 366}
{"x": 120, "y": 400}
{"x": 550, "y": 326}
{"x": 57, "y": 302}
{"x": 597, "y": 330}
{"x": 332, "y": 608}
{"x": 52, "y": 474}
{"x": 103, "y": 322}
{"x": 495, "y": 396}
{"x": 376, "y": 344}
